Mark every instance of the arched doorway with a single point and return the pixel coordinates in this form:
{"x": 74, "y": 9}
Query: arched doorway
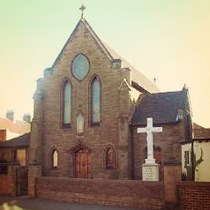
{"x": 82, "y": 162}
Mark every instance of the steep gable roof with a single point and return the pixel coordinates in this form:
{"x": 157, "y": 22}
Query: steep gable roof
{"x": 84, "y": 22}
{"x": 144, "y": 84}
{"x": 162, "y": 107}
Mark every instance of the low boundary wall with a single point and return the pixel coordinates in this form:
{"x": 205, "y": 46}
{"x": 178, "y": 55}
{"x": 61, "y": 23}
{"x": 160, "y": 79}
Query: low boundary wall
{"x": 126, "y": 193}
{"x": 193, "y": 195}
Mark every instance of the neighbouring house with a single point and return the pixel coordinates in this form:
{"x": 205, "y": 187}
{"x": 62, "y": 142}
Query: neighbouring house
{"x": 14, "y": 146}
{"x": 14, "y": 165}
{"x": 11, "y": 128}
{"x": 196, "y": 155}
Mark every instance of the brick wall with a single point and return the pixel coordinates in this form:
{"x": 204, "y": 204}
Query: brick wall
{"x": 194, "y": 195}
{"x": 8, "y": 182}
{"x": 107, "y": 192}
{"x": 4, "y": 185}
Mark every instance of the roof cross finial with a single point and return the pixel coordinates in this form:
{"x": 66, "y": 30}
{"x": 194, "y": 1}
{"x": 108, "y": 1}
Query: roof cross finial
{"x": 82, "y": 8}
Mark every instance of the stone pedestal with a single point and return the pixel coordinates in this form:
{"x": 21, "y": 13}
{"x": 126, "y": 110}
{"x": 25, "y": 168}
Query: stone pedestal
{"x": 172, "y": 175}
{"x": 33, "y": 172}
{"x": 150, "y": 172}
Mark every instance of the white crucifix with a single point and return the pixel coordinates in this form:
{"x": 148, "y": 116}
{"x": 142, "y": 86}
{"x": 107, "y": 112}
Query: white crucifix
{"x": 149, "y": 130}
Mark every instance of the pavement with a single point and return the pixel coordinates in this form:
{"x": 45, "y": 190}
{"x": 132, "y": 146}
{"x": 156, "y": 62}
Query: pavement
{"x": 43, "y": 204}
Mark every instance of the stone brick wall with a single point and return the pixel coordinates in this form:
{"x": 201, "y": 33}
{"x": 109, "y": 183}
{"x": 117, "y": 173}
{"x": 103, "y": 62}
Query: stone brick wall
{"x": 107, "y": 192}
{"x": 194, "y": 195}
{"x": 47, "y": 130}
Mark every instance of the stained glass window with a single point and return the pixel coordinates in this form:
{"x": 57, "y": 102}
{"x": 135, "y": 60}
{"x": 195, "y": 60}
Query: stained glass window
{"x": 96, "y": 101}
{"x": 67, "y": 104}
{"x": 80, "y": 67}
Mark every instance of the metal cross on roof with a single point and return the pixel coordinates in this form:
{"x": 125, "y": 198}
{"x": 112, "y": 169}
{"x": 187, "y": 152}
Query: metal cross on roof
{"x": 82, "y": 8}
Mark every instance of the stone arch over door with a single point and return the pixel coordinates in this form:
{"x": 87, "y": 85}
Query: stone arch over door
{"x": 82, "y": 161}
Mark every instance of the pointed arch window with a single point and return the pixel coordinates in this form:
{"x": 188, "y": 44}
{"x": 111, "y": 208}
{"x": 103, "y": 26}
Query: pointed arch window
{"x": 110, "y": 158}
{"x": 54, "y": 158}
{"x": 67, "y": 104}
{"x": 95, "y": 101}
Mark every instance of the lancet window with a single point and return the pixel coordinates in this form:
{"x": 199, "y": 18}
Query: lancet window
{"x": 67, "y": 104}
{"x": 54, "y": 158}
{"x": 95, "y": 101}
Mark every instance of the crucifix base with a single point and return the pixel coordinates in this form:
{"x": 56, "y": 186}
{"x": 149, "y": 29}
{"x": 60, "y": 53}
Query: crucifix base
{"x": 150, "y": 172}
{"x": 150, "y": 161}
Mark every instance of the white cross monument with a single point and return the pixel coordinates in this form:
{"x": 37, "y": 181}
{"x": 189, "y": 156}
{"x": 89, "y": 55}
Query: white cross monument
{"x": 150, "y": 168}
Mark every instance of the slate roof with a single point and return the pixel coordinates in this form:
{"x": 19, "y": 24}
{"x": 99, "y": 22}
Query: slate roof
{"x": 162, "y": 107}
{"x": 21, "y": 141}
{"x": 137, "y": 76}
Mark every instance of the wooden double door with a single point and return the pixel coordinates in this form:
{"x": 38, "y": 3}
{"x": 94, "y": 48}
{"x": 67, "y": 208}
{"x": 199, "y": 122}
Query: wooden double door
{"x": 83, "y": 163}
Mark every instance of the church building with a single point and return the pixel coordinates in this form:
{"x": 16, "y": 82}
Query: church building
{"x": 87, "y": 108}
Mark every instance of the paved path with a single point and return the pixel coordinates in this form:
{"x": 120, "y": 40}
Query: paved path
{"x": 44, "y": 204}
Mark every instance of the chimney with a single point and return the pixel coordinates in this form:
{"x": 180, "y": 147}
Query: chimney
{"x": 3, "y": 134}
{"x": 10, "y": 115}
{"x": 27, "y": 117}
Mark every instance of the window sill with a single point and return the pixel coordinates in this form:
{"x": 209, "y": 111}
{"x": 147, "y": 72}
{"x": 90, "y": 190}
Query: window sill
{"x": 66, "y": 126}
{"x": 95, "y": 124}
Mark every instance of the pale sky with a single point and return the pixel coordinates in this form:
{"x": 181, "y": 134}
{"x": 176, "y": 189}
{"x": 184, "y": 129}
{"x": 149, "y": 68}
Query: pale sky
{"x": 166, "y": 39}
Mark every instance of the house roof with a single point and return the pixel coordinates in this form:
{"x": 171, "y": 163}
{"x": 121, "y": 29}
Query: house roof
{"x": 145, "y": 84}
{"x": 19, "y": 127}
{"x": 21, "y": 141}
{"x": 200, "y": 132}
{"x": 162, "y": 107}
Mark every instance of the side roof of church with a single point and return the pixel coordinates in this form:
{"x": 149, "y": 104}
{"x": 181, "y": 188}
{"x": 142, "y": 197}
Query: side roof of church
{"x": 138, "y": 80}
{"x": 162, "y": 107}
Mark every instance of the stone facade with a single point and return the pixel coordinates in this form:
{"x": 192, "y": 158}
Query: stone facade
{"x": 116, "y": 110}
